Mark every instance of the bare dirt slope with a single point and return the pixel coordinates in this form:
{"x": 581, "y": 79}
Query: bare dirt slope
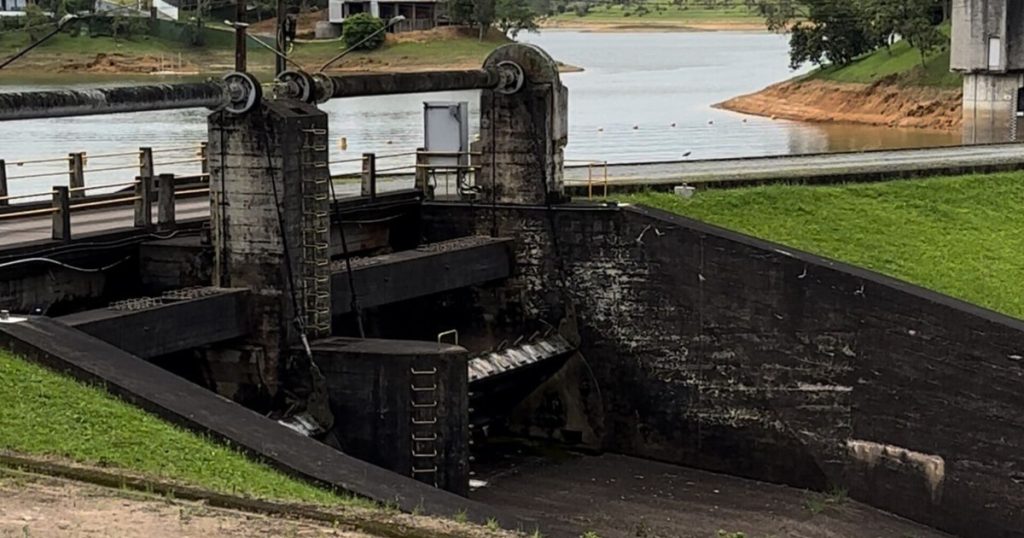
{"x": 52, "y": 507}
{"x": 623, "y": 497}
{"x": 881, "y": 103}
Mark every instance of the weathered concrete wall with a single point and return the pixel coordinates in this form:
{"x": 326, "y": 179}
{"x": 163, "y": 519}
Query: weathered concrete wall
{"x": 733, "y": 354}
{"x": 975, "y": 22}
{"x": 46, "y": 288}
{"x": 269, "y": 224}
{"x": 402, "y": 405}
{"x": 990, "y": 108}
{"x": 523, "y": 134}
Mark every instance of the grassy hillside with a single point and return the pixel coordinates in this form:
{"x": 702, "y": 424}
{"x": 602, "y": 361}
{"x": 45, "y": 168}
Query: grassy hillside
{"x": 46, "y": 414}
{"x": 659, "y": 11}
{"x": 901, "y": 62}
{"x": 70, "y": 55}
{"x": 958, "y": 235}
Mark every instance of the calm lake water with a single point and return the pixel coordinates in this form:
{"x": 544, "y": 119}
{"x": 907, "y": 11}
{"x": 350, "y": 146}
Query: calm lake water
{"x": 646, "y": 80}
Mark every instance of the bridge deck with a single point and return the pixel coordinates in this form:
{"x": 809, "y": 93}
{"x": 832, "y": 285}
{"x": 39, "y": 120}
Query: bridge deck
{"x": 871, "y": 165}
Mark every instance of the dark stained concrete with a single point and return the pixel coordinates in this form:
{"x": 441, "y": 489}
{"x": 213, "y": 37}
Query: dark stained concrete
{"x": 401, "y": 404}
{"x": 716, "y": 350}
{"x": 429, "y": 269}
{"x": 62, "y": 348}
{"x": 176, "y": 325}
{"x": 623, "y": 497}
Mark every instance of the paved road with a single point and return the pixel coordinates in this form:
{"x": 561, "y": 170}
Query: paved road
{"x": 892, "y": 163}
{"x": 873, "y": 165}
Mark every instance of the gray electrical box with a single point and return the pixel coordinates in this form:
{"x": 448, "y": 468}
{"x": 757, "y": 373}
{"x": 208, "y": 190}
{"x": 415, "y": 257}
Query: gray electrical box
{"x": 446, "y": 134}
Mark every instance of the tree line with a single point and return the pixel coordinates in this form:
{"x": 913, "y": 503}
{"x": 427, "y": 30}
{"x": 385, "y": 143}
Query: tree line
{"x": 838, "y": 31}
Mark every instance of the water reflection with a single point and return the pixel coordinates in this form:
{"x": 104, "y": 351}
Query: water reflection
{"x": 643, "y": 97}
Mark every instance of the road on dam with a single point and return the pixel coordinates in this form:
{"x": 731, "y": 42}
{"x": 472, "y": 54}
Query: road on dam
{"x": 844, "y": 166}
{"x": 893, "y": 163}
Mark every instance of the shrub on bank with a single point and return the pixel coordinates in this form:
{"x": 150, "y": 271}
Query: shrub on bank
{"x": 358, "y": 27}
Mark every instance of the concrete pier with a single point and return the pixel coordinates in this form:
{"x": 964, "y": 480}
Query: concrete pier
{"x": 988, "y": 48}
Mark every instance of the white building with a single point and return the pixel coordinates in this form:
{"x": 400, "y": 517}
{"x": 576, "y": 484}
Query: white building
{"x": 419, "y": 14}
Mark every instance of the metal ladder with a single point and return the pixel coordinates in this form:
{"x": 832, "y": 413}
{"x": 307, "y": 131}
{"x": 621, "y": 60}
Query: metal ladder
{"x": 315, "y": 178}
{"x": 423, "y": 421}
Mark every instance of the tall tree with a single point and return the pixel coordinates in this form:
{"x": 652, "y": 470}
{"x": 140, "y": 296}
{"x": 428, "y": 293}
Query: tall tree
{"x": 514, "y": 16}
{"x": 510, "y": 16}
{"x": 836, "y": 32}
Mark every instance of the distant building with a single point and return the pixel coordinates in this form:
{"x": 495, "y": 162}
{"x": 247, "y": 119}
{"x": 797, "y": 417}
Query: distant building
{"x": 419, "y": 14}
{"x": 988, "y": 48}
{"x": 13, "y": 5}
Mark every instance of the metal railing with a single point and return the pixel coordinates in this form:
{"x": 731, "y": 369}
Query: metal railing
{"x": 148, "y": 188}
{"x": 601, "y": 168}
{"x": 80, "y": 164}
{"x": 163, "y": 190}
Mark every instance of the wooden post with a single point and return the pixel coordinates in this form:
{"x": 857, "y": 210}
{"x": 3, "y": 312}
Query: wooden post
{"x": 240, "y": 44}
{"x": 422, "y": 172}
{"x": 165, "y": 209}
{"x": 3, "y": 183}
{"x": 62, "y": 215}
{"x": 146, "y": 168}
{"x": 144, "y": 202}
{"x": 369, "y": 175}
{"x": 204, "y": 152}
{"x": 76, "y": 174}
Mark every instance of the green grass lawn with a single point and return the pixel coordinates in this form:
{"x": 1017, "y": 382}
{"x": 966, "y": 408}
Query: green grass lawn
{"x": 959, "y": 235}
{"x": 46, "y": 414}
{"x": 902, "y": 62}
{"x": 660, "y": 11}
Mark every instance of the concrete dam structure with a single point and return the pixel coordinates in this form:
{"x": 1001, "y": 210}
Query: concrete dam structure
{"x": 375, "y": 343}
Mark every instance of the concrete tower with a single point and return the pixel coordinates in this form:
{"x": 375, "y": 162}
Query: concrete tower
{"x": 988, "y": 48}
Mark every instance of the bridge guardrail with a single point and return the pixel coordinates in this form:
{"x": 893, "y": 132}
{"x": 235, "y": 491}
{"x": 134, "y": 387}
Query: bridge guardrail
{"x": 78, "y": 168}
{"x": 591, "y": 165}
{"x": 164, "y": 190}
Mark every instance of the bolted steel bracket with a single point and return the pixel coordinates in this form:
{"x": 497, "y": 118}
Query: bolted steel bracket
{"x": 510, "y": 77}
{"x": 244, "y": 92}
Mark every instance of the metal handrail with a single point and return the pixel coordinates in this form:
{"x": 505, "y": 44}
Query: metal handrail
{"x": 113, "y": 185}
{"x": 183, "y": 161}
{"x": 111, "y": 168}
{"x": 197, "y": 147}
{"x": 29, "y": 213}
{"x": 104, "y": 203}
{"x": 108, "y": 155}
{"x": 192, "y": 191}
{"x": 39, "y": 174}
{"x": 40, "y": 161}
{"x": 22, "y": 196}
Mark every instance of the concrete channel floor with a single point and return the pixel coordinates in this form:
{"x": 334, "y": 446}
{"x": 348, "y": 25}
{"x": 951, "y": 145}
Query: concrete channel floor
{"x": 622, "y": 497}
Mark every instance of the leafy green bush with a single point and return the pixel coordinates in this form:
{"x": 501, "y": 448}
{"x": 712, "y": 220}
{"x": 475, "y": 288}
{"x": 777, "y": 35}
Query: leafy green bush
{"x": 358, "y": 27}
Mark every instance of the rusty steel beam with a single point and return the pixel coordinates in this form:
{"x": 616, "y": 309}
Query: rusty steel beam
{"x": 62, "y": 103}
{"x": 237, "y": 92}
{"x": 417, "y": 82}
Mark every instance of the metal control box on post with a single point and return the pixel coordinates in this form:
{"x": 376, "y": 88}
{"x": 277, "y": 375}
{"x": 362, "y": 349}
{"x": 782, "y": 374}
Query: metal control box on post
{"x": 446, "y": 141}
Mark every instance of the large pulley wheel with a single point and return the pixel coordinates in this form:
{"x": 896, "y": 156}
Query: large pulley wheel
{"x": 244, "y": 92}
{"x": 324, "y": 87}
{"x": 511, "y": 77}
{"x": 298, "y": 85}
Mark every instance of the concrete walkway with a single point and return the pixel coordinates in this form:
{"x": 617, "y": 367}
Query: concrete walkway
{"x": 871, "y": 165}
